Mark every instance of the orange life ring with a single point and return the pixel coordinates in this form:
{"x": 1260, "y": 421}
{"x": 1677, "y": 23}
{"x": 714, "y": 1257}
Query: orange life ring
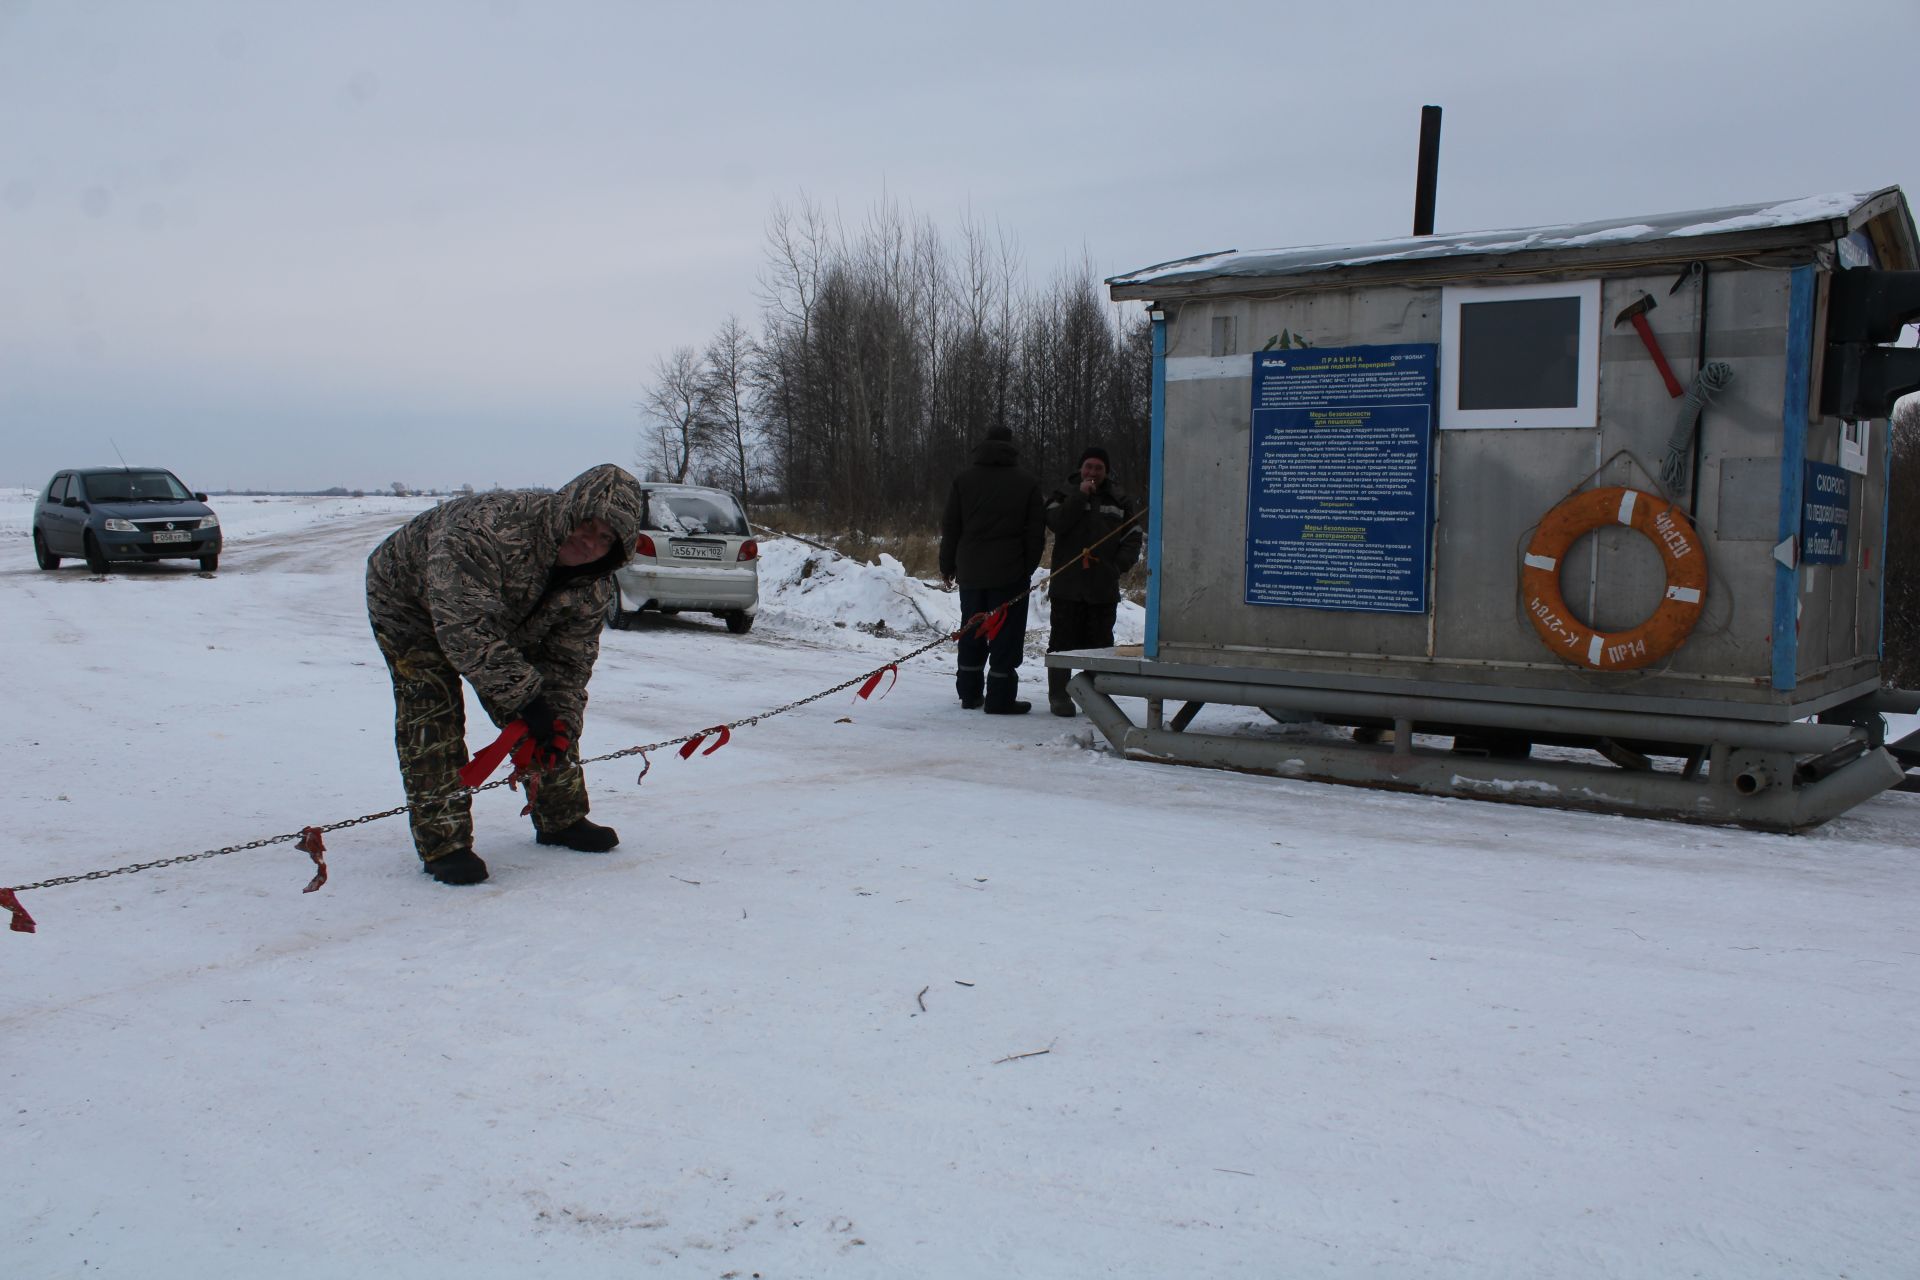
{"x": 1672, "y": 535}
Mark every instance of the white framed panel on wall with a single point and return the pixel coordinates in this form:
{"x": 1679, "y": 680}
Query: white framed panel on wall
{"x": 1853, "y": 446}
{"x": 1520, "y": 355}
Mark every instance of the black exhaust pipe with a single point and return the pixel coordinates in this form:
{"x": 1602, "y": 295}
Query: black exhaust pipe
{"x": 1427, "y": 180}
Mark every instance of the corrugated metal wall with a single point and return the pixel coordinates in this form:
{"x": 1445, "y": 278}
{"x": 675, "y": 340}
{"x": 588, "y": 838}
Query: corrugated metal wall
{"x": 1493, "y": 485}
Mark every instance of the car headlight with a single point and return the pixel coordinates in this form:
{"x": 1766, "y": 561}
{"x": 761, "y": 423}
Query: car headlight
{"x": 208, "y": 522}
{"x": 117, "y": 525}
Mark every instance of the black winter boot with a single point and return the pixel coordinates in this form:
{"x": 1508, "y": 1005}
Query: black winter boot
{"x": 582, "y": 837}
{"x": 463, "y": 867}
{"x": 1001, "y": 686}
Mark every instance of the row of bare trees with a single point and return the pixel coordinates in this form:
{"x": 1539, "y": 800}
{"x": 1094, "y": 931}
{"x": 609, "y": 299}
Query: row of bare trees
{"x": 885, "y": 354}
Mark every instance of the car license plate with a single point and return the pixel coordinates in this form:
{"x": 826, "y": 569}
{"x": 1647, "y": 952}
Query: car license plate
{"x": 171, "y": 535}
{"x": 696, "y": 551}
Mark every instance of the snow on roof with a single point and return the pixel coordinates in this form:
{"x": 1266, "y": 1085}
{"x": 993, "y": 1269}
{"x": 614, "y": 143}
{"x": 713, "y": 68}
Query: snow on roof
{"x": 1613, "y": 231}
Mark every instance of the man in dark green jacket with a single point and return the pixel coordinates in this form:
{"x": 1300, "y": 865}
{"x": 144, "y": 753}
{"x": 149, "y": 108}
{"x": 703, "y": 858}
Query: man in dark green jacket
{"x": 509, "y": 590}
{"x": 991, "y": 540}
{"x": 1085, "y": 591}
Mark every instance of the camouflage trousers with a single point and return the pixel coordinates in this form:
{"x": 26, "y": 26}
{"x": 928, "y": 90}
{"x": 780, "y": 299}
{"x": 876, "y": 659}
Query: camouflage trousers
{"x": 430, "y": 733}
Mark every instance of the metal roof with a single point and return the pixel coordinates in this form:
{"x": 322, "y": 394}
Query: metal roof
{"x": 1611, "y": 234}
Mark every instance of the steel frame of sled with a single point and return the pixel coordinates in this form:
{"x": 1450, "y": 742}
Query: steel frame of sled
{"x": 1764, "y": 775}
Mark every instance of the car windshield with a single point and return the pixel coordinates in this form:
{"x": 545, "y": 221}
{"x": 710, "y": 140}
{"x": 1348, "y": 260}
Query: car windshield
{"x": 688, "y": 512}
{"x": 135, "y": 486}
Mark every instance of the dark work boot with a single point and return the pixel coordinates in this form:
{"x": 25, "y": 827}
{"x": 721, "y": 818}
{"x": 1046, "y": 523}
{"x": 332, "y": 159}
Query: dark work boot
{"x": 582, "y": 837}
{"x": 1060, "y": 704}
{"x": 1001, "y": 686}
{"x": 463, "y": 867}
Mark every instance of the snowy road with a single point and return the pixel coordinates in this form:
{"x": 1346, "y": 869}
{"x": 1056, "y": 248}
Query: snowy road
{"x": 1288, "y": 1028}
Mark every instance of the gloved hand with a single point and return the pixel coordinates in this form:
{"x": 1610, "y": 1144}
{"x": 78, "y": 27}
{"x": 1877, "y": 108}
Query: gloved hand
{"x": 545, "y": 730}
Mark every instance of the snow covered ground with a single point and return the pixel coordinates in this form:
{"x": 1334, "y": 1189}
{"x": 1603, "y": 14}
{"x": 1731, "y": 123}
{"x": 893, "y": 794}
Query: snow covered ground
{"x": 885, "y": 990}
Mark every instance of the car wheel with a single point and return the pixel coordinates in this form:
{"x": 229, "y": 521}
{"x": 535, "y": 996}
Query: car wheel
{"x": 209, "y": 563}
{"x": 739, "y": 622}
{"x": 96, "y": 558}
{"x": 47, "y": 559}
{"x": 616, "y": 620}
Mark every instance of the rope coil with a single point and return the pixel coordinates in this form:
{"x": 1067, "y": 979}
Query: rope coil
{"x": 1712, "y": 379}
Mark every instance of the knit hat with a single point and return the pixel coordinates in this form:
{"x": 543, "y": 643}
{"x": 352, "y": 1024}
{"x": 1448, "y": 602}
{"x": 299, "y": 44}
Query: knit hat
{"x": 1095, "y": 451}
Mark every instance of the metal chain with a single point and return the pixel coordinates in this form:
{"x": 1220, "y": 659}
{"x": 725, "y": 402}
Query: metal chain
{"x": 684, "y": 738}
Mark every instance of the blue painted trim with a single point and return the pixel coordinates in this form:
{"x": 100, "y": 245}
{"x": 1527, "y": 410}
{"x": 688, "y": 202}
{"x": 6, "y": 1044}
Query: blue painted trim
{"x": 1157, "y": 489}
{"x": 1793, "y": 475}
{"x": 1886, "y": 510}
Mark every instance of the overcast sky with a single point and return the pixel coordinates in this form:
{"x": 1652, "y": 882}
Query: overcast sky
{"x": 282, "y": 243}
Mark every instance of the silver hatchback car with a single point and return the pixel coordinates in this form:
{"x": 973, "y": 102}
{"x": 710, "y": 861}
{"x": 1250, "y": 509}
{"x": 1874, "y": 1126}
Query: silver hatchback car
{"x": 695, "y": 551}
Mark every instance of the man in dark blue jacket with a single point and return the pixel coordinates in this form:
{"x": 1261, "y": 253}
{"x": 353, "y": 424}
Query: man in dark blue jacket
{"x": 991, "y": 540}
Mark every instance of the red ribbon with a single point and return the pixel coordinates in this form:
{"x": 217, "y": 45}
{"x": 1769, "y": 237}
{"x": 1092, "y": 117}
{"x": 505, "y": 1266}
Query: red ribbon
{"x": 687, "y": 750}
{"x": 991, "y": 624}
{"x": 488, "y": 758}
{"x": 22, "y": 922}
{"x": 873, "y": 681}
{"x": 516, "y": 740}
{"x": 646, "y": 767}
{"x": 316, "y": 848}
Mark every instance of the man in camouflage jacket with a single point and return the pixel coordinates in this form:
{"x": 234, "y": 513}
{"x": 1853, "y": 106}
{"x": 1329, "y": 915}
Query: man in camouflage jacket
{"x": 1085, "y": 592}
{"x": 509, "y": 590}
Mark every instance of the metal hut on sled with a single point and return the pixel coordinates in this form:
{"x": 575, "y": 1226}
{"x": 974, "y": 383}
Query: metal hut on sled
{"x": 1589, "y": 516}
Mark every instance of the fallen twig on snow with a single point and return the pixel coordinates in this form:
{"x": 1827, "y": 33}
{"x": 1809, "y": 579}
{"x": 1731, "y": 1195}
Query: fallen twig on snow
{"x": 922, "y": 998}
{"x": 1015, "y": 1057}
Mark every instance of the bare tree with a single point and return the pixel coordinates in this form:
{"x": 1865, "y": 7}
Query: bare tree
{"x": 801, "y": 244}
{"x": 678, "y": 415}
{"x": 729, "y": 360}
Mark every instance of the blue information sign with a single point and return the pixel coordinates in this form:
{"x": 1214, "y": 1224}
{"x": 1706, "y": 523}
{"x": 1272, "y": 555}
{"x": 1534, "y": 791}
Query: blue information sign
{"x": 1824, "y": 507}
{"x": 1339, "y": 503}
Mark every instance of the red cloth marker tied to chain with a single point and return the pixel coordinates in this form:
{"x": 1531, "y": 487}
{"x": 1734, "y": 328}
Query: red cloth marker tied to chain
{"x": 873, "y": 681}
{"x": 314, "y": 847}
{"x": 513, "y": 739}
{"x": 488, "y": 758}
{"x": 693, "y": 743}
{"x": 22, "y": 922}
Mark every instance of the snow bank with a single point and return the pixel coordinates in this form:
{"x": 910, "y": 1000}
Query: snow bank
{"x": 809, "y": 591}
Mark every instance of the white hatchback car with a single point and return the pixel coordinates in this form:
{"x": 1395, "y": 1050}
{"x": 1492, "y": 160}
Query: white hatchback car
{"x": 696, "y": 551}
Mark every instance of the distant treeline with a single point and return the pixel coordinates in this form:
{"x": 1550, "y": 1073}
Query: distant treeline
{"x": 396, "y": 489}
{"x": 884, "y": 355}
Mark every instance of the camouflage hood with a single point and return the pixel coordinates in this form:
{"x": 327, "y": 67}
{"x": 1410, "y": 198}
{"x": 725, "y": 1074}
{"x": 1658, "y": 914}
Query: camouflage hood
{"x": 478, "y": 579}
{"x": 604, "y": 493}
